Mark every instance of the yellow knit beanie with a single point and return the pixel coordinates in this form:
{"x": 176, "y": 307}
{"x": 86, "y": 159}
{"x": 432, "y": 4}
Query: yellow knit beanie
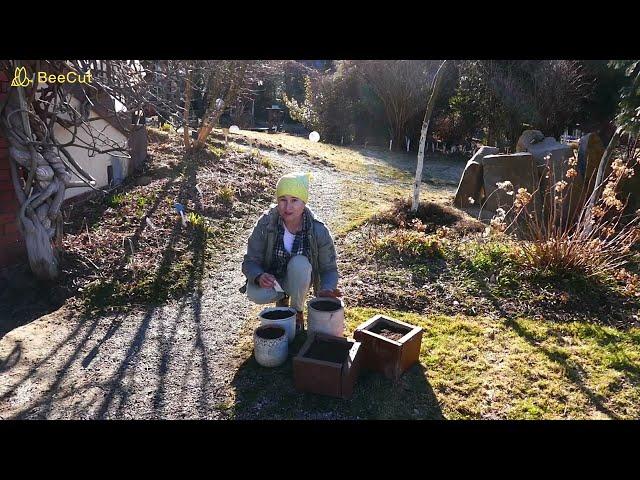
{"x": 295, "y": 184}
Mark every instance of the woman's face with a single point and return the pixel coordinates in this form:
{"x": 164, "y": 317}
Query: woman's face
{"x": 290, "y": 208}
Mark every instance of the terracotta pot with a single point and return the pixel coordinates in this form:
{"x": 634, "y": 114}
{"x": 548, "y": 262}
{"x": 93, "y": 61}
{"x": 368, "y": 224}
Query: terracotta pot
{"x": 270, "y": 345}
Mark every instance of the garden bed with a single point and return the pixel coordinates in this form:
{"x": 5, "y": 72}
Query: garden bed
{"x": 130, "y": 248}
{"x": 421, "y": 267}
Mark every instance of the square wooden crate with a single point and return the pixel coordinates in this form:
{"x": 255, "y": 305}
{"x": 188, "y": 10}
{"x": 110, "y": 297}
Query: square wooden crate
{"x": 382, "y": 354}
{"x": 336, "y": 376}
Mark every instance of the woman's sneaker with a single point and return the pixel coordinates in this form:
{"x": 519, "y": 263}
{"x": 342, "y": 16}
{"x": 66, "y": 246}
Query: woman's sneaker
{"x": 284, "y": 302}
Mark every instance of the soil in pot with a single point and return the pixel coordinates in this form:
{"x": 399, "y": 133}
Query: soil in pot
{"x": 269, "y": 332}
{"x": 277, "y": 314}
{"x": 387, "y": 330}
{"x": 326, "y": 306}
{"x": 328, "y": 351}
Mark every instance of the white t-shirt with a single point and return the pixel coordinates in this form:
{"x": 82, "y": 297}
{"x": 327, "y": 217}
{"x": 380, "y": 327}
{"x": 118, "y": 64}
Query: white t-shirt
{"x": 288, "y": 240}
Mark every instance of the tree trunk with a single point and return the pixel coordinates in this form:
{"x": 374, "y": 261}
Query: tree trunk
{"x": 437, "y": 80}
{"x": 216, "y": 108}
{"x": 187, "y": 105}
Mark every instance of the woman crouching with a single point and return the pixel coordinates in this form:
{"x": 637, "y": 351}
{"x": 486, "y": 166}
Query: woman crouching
{"x": 291, "y": 249}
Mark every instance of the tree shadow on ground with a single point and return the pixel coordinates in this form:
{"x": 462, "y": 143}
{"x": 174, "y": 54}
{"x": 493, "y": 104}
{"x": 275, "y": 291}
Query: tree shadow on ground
{"x": 116, "y": 390}
{"x": 573, "y": 372}
{"x": 111, "y": 394}
{"x": 269, "y": 393}
{"x": 109, "y": 293}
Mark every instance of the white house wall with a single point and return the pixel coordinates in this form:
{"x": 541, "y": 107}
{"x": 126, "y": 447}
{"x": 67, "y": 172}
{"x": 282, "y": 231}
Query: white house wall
{"x": 95, "y": 165}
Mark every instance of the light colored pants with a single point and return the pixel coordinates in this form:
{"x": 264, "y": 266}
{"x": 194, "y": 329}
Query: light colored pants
{"x": 296, "y": 284}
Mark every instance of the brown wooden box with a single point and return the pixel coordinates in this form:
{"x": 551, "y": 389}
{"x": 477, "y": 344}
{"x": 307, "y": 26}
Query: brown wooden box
{"x": 325, "y": 377}
{"x": 381, "y": 354}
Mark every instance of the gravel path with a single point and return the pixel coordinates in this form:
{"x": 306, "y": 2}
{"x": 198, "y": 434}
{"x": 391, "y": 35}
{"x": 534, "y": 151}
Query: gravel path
{"x": 174, "y": 361}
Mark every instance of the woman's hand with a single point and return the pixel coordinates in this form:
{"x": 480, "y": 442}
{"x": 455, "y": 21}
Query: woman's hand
{"x": 330, "y": 293}
{"x": 266, "y": 280}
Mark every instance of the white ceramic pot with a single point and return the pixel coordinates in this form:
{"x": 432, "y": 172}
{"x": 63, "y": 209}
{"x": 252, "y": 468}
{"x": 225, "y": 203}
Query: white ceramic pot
{"x": 326, "y": 315}
{"x": 270, "y": 345}
{"x": 288, "y": 322}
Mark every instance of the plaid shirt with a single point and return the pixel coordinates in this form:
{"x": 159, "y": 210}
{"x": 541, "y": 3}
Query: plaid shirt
{"x": 300, "y": 247}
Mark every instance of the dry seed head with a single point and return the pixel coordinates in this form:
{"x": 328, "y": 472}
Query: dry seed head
{"x": 598, "y": 211}
{"x": 523, "y": 198}
{"x": 561, "y": 185}
{"x": 620, "y": 169}
{"x": 507, "y": 186}
{"x": 609, "y": 197}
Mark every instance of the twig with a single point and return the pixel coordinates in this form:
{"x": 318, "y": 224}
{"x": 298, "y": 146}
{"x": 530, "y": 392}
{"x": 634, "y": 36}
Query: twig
{"x": 86, "y": 227}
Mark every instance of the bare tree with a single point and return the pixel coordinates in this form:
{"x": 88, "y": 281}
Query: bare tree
{"x": 435, "y": 88}
{"x": 226, "y": 83}
{"x": 504, "y": 95}
{"x": 402, "y": 86}
{"x": 558, "y": 89}
{"x": 187, "y": 104}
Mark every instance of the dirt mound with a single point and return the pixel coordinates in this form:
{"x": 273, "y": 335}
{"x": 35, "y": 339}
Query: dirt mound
{"x": 432, "y": 215}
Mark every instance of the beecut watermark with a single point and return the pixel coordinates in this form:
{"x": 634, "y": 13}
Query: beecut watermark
{"x": 21, "y": 77}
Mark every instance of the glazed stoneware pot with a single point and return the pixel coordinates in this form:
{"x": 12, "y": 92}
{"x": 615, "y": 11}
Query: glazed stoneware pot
{"x": 270, "y": 345}
{"x": 326, "y": 315}
{"x": 284, "y": 317}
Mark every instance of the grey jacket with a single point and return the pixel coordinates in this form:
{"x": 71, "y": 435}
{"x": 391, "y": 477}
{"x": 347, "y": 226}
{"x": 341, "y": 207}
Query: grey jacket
{"x": 263, "y": 240}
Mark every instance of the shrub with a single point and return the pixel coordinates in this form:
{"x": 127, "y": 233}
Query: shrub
{"x": 408, "y": 244}
{"x": 198, "y": 222}
{"x": 561, "y": 235}
{"x": 116, "y": 200}
{"x": 337, "y": 105}
{"x": 226, "y": 194}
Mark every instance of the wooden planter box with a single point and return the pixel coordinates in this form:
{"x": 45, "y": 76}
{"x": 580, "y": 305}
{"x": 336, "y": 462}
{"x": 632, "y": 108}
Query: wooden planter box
{"x": 327, "y": 365}
{"x": 391, "y": 357}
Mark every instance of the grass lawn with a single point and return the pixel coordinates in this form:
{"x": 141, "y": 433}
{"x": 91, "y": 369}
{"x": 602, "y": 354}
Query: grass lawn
{"x": 470, "y": 368}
